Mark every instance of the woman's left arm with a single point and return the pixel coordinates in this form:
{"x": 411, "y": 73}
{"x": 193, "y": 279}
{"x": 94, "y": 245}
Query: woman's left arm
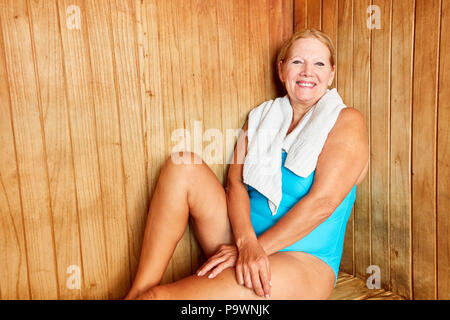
{"x": 341, "y": 162}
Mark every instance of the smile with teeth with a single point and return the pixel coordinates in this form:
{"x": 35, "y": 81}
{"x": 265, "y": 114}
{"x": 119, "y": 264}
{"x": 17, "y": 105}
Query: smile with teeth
{"x": 305, "y": 84}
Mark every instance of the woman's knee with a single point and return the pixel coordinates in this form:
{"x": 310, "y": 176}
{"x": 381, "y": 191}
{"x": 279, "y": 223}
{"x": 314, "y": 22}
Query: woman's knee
{"x": 184, "y": 158}
{"x": 181, "y": 165}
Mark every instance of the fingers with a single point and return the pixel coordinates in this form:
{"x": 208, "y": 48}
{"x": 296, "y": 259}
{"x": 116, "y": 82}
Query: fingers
{"x": 239, "y": 274}
{"x": 265, "y": 282}
{"x": 224, "y": 258}
{"x": 255, "y": 276}
{"x": 211, "y": 263}
{"x": 220, "y": 268}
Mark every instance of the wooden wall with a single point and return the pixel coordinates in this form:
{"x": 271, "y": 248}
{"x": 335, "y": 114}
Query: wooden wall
{"x": 89, "y": 104}
{"x": 88, "y": 108}
{"x": 396, "y": 74}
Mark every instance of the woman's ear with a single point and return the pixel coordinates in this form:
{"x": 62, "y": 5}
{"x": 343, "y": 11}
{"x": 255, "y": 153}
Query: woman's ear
{"x": 280, "y": 71}
{"x": 333, "y": 70}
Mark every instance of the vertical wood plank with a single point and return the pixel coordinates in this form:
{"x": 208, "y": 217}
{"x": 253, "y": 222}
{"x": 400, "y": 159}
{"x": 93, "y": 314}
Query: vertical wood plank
{"x": 30, "y": 148}
{"x": 400, "y": 135}
{"x": 300, "y": 14}
{"x": 424, "y": 148}
{"x": 14, "y": 283}
{"x": 242, "y": 54}
{"x": 287, "y": 18}
{"x": 108, "y": 129}
{"x": 210, "y": 75}
{"x": 131, "y": 122}
{"x": 379, "y": 140}
{"x": 443, "y": 172}
{"x": 181, "y": 258}
{"x": 361, "y": 100}
{"x": 82, "y": 124}
{"x": 330, "y": 25}
{"x": 172, "y": 87}
{"x": 228, "y": 63}
{"x": 345, "y": 88}
{"x": 259, "y": 51}
{"x": 280, "y": 30}
{"x": 314, "y": 12}
{"x": 147, "y": 31}
{"x": 47, "y": 43}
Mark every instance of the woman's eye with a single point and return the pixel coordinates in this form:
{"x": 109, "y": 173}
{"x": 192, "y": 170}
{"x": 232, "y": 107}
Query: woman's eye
{"x": 320, "y": 64}
{"x": 296, "y": 62}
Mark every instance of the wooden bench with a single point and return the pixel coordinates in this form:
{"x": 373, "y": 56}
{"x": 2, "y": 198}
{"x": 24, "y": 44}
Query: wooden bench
{"x": 349, "y": 287}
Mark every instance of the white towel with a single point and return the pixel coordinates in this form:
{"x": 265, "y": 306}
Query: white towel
{"x": 267, "y": 127}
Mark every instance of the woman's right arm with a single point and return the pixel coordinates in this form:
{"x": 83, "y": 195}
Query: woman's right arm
{"x": 238, "y": 202}
{"x": 252, "y": 266}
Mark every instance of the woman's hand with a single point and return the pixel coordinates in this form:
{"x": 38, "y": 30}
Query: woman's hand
{"x": 252, "y": 267}
{"x": 224, "y": 258}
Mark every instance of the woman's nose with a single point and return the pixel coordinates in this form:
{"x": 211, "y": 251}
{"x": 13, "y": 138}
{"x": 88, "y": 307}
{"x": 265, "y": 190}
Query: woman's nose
{"x": 306, "y": 71}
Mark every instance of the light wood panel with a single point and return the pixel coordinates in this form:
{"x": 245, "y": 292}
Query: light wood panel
{"x": 400, "y": 136}
{"x": 345, "y": 43}
{"x": 394, "y": 74}
{"x": 83, "y": 132}
{"x": 443, "y": 154}
{"x": 379, "y": 139}
{"x": 424, "y": 111}
{"x": 29, "y": 140}
{"x": 361, "y": 99}
{"x": 48, "y": 55}
{"x": 130, "y": 115}
{"x": 92, "y": 93}
{"x": 88, "y": 116}
{"x": 14, "y": 280}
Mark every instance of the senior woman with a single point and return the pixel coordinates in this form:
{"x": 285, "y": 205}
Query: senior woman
{"x": 257, "y": 245}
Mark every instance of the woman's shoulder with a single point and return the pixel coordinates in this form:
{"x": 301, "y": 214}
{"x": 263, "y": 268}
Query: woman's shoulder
{"x": 351, "y": 117}
{"x": 350, "y": 125}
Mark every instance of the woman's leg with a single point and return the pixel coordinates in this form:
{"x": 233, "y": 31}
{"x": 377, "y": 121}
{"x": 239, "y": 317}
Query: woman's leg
{"x": 182, "y": 190}
{"x": 295, "y": 275}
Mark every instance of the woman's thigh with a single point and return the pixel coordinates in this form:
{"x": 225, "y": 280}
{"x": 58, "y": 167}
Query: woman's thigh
{"x": 207, "y": 203}
{"x": 293, "y": 275}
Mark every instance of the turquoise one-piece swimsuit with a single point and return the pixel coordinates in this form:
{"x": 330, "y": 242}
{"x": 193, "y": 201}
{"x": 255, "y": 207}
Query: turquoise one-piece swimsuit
{"x": 327, "y": 240}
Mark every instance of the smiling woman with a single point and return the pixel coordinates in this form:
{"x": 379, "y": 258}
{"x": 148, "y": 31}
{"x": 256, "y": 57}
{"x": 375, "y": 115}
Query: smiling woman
{"x": 293, "y": 251}
{"x": 306, "y": 67}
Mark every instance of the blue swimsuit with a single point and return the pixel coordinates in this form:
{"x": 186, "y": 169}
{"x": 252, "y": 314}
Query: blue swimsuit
{"x": 327, "y": 240}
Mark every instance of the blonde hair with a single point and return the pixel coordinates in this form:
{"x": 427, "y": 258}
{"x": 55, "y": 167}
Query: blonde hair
{"x": 308, "y": 33}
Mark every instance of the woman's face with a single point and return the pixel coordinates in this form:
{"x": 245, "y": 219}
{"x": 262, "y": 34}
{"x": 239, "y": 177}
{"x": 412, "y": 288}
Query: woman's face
{"x": 306, "y": 72}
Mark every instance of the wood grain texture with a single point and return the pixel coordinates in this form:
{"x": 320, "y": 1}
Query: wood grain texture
{"x": 88, "y": 116}
{"x": 109, "y": 143}
{"x": 345, "y": 88}
{"x": 379, "y": 139}
{"x": 190, "y": 39}
{"x": 280, "y": 30}
{"x": 84, "y": 140}
{"x": 130, "y": 114}
{"x": 424, "y": 128}
{"x": 300, "y": 14}
{"x": 181, "y": 259}
{"x": 361, "y": 100}
{"x": 401, "y": 208}
{"x": 314, "y": 14}
{"x": 14, "y": 281}
{"x": 443, "y": 154}
{"x": 349, "y": 287}
{"x": 151, "y": 94}
{"x": 27, "y": 124}
{"x": 400, "y": 136}
{"x": 330, "y": 27}
{"x": 48, "y": 56}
